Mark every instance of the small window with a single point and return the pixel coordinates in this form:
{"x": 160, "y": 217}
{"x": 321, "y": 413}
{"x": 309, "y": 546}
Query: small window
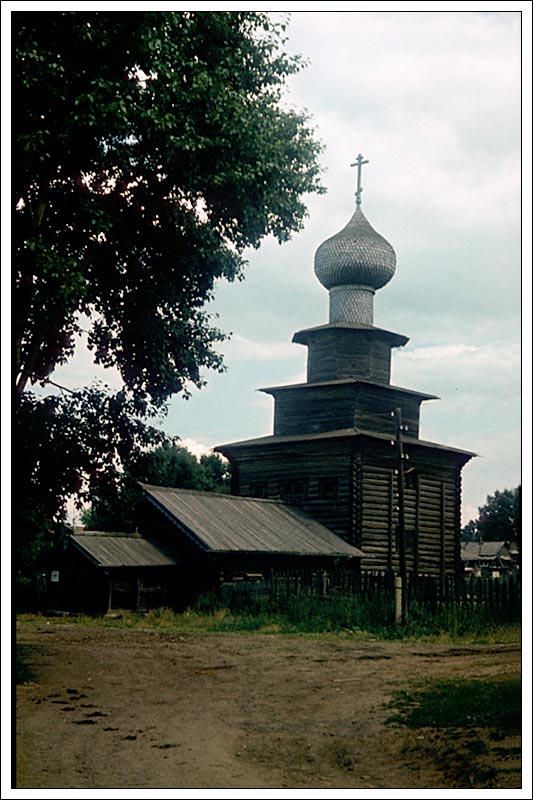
{"x": 293, "y": 491}
{"x": 259, "y": 489}
{"x": 328, "y": 488}
{"x": 410, "y": 539}
{"x": 410, "y": 478}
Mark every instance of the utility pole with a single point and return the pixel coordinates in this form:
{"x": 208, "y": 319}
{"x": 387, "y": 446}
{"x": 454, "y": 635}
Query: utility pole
{"x": 401, "y": 510}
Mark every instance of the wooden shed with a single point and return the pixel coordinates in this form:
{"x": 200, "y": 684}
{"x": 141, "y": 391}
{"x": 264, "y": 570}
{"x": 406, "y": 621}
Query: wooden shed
{"x": 101, "y": 572}
{"x": 188, "y": 543}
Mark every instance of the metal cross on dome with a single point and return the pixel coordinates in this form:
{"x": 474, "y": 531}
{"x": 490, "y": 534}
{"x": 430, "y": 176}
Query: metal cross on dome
{"x": 359, "y": 161}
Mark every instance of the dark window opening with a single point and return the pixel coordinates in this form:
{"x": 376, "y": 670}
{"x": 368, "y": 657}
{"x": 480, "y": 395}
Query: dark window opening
{"x": 328, "y": 488}
{"x": 410, "y": 539}
{"x": 410, "y": 478}
{"x": 293, "y": 491}
{"x": 259, "y": 489}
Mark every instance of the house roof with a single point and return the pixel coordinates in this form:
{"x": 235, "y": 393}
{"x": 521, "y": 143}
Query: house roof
{"x": 222, "y": 523}
{"x": 471, "y": 551}
{"x": 121, "y": 550}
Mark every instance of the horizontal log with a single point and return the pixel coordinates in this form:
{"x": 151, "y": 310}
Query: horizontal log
{"x": 375, "y": 469}
{"x": 375, "y": 530}
{"x": 375, "y": 489}
{"x": 376, "y": 500}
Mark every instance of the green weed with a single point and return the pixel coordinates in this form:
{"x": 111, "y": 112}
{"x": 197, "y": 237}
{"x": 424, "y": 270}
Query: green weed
{"x": 309, "y": 614}
{"x": 462, "y": 703}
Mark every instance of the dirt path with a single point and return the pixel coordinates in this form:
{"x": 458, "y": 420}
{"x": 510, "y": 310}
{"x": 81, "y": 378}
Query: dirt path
{"x": 109, "y": 708}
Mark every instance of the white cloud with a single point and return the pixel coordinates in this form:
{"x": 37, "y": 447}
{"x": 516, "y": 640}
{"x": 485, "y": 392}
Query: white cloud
{"x": 195, "y": 447}
{"x": 433, "y": 99}
{"x": 496, "y": 468}
{"x": 490, "y": 371}
{"x": 240, "y": 348}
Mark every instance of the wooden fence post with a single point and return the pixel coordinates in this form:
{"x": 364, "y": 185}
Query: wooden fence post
{"x": 398, "y": 600}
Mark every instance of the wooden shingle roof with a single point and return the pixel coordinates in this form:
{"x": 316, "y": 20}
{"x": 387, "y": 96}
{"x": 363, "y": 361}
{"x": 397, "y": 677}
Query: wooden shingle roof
{"x": 121, "y": 550}
{"x": 222, "y": 523}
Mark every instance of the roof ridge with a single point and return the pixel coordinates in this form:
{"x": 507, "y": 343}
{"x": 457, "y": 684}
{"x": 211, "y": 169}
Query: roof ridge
{"x": 130, "y": 534}
{"x": 222, "y": 495}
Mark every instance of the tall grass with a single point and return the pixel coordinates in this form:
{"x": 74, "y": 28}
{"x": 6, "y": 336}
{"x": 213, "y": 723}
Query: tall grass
{"x": 350, "y": 614}
{"x": 309, "y": 613}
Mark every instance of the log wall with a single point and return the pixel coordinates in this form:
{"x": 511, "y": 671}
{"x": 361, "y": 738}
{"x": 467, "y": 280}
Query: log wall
{"x": 364, "y": 511}
{"x": 317, "y": 409}
{"x": 337, "y": 353}
{"x": 432, "y": 509}
{"x": 314, "y": 409}
{"x": 373, "y": 409}
{"x": 272, "y": 468}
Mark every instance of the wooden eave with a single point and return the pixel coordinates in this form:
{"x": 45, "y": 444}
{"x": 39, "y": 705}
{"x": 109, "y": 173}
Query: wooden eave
{"x": 396, "y": 339}
{"x": 273, "y": 390}
{"x": 344, "y": 433}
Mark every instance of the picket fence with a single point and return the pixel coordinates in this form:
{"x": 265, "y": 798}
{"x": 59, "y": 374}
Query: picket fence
{"x": 501, "y": 596}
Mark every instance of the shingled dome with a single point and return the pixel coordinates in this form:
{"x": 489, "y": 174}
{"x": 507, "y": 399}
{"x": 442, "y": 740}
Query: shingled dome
{"x": 357, "y": 255}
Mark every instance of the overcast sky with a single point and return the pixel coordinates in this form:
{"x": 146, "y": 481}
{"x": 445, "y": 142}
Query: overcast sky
{"x": 433, "y": 100}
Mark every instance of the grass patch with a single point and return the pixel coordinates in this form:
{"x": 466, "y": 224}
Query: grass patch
{"x": 24, "y": 656}
{"x": 462, "y": 721}
{"x": 343, "y": 617}
{"x": 462, "y": 703}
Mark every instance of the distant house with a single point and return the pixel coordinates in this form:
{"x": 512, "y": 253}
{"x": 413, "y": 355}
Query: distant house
{"x": 188, "y": 542}
{"x": 489, "y": 558}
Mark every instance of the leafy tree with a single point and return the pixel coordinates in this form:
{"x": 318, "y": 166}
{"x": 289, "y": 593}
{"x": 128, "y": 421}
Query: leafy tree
{"x": 499, "y": 519}
{"x": 167, "y": 465}
{"x": 74, "y": 445}
{"x": 216, "y": 474}
{"x": 150, "y": 149}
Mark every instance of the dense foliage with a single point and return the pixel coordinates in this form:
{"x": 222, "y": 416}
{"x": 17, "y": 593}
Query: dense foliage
{"x": 499, "y": 518}
{"x": 150, "y": 149}
{"x": 167, "y": 465}
{"x": 74, "y": 445}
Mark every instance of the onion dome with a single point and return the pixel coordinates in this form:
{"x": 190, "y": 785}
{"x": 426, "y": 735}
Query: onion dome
{"x": 357, "y": 255}
{"x": 353, "y": 263}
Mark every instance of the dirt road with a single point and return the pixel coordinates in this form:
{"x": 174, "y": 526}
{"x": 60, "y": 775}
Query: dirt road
{"x": 110, "y": 708}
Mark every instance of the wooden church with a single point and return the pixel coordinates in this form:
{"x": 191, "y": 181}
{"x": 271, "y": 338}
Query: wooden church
{"x": 346, "y": 446}
{"x": 344, "y": 480}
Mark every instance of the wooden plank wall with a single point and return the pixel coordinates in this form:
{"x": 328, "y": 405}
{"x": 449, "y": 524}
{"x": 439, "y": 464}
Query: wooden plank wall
{"x": 315, "y": 410}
